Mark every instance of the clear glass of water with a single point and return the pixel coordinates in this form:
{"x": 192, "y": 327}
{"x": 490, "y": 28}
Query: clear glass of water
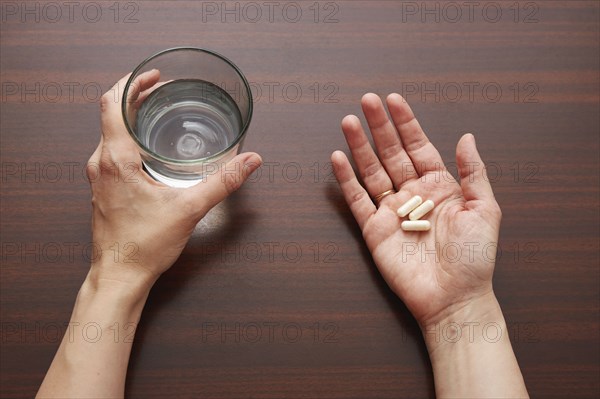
{"x": 193, "y": 119}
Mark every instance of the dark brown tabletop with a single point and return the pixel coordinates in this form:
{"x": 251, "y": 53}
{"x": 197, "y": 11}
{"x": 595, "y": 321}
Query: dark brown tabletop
{"x": 276, "y": 295}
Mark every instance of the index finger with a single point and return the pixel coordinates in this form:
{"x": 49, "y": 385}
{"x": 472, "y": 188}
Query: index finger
{"x": 113, "y": 126}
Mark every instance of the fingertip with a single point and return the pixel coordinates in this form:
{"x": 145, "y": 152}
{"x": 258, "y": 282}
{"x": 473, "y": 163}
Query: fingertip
{"x": 254, "y": 161}
{"x": 253, "y": 157}
{"x": 350, "y": 122}
{"x": 396, "y": 102}
{"x": 341, "y": 165}
{"x": 250, "y": 161}
{"x": 121, "y": 83}
{"x": 395, "y": 99}
{"x": 143, "y": 82}
{"x": 153, "y": 75}
{"x": 471, "y": 138}
{"x": 468, "y": 136}
{"x": 370, "y": 101}
{"x": 369, "y": 96}
{"x": 337, "y": 157}
{"x": 466, "y": 143}
{"x": 258, "y": 157}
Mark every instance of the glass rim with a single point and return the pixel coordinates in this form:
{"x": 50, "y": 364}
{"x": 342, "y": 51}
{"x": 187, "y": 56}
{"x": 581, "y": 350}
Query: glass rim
{"x": 172, "y": 161}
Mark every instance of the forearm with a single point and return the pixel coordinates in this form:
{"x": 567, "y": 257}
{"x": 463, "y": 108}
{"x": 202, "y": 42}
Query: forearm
{"x": 93, "y": 356}
{"x": 471, "y": 354}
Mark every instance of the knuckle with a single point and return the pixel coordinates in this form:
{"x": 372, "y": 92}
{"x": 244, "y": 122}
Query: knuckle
{"x": 126, "y": 155}
{"x": 371, "y": 169}
{"x": 358, "y": 197}
{"x": 231, "y": 181}
{"x": 107, "y": 165}
{"x": 105, "y": 101}
{"x": 391, "y": 151}
{"x": 92, "y": 170}
{"x": 120, "y": 153}
{"x": 94, "y": 200}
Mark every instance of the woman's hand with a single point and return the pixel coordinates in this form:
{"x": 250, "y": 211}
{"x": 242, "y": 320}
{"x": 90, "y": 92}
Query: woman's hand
{"x": 140, "y": 226}
{"x": 436, "y": 272}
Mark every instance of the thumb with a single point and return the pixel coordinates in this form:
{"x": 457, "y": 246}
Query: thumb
{"x": 473, "y": 178}
{"x": 227, "y": 179}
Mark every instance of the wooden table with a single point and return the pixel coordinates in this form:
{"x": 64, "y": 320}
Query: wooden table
{"x": 276, "y": 295}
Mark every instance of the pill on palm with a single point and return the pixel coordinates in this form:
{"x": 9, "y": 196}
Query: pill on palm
{"x": 422, "y": 210}
{"x": 416, "y": 225}
{"x": 409, "y": 205}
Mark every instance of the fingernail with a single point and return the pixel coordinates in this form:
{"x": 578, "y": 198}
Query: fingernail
{"x": 253, "y": 163}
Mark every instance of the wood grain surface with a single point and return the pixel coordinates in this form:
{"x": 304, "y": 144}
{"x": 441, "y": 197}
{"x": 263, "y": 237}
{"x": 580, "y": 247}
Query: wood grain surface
{"x": 276, "y": 295}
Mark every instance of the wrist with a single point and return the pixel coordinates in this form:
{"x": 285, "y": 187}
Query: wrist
{"x": 123, "y": 288}
{"x": 471, "y": 354}
{"x": 478, "y": 321}
{"x": 106, "y": 272}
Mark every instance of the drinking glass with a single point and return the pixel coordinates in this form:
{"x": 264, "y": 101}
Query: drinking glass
{"x": 193, "y": 119}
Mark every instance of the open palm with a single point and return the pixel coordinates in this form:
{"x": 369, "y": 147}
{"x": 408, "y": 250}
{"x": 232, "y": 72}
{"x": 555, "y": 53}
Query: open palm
{"x": 437, "y": 271}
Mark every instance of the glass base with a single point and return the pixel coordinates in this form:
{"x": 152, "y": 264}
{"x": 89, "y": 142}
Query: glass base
{"x": 170, "y": 181}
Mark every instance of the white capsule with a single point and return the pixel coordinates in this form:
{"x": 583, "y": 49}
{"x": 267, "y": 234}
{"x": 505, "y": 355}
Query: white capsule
{"x": 409, "y": 206}
{"x": 422, "y": 210}
{"x": 416, "y": 225}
